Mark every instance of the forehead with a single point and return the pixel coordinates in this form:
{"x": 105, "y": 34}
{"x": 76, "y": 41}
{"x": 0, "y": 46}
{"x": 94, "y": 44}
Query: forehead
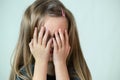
{"x": 55, "y": 23}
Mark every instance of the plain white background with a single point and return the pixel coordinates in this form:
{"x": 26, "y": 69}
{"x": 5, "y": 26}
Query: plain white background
{"x": 98, "y": 24}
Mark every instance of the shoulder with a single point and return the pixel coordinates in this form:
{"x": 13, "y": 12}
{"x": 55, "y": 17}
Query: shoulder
{"x": 23, "y": 69}
{"x": 23, "y": 72}
{"x": 75, "y": 78}
{"x": 73, "y": 75}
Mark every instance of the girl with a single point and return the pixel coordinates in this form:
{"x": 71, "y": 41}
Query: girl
{"x": 48, "y": 45}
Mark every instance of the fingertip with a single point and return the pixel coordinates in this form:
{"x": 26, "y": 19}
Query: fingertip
{"x": 35, "y": 29}
{"x": 50, "y": 40}
{"x": 55, "y": 33}
{"x": 65, "y": 31}
{"x": 49, "y": 43}
{"x": 42, "y": 28}
{"x": 53, "y": 39}
{"x": 47, "y": 31}
{"x": 59, "y": 30}
{"x": 54, "y": 42}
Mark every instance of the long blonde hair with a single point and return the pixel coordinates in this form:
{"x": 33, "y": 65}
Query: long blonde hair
{"x": 34, "y": 16}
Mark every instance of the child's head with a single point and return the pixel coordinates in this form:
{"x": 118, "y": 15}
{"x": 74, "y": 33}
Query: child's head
{"x": 51, "y": 14}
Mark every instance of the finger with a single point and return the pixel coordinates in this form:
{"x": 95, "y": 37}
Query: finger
{"x": 58, "y": 40}
{"x": 54, "y": 44}
{"x": 49, "y": 43}
{"x": 35, "y": 36}
{"x": 41, "y": 33}
{"x": 44, "y": 41}
{"x": 66, "y": 36}
{"x": 62, "y": 37}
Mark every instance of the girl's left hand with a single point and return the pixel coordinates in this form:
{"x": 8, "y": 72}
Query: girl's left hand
{"x": 61, "y": 47}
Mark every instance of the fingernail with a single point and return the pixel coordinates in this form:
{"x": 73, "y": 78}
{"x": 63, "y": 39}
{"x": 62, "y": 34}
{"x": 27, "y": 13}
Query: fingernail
{"x": 35, "y": 28}
{"x": 53, "y": 39}
{"x": 61, "y": 30}
{"x": 55, "y": 32}
{"x": 47, "y": 29}
{"x": 65, "y": 30}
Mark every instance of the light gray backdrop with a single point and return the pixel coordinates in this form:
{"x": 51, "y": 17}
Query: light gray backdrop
{"x": 99, "y": 30}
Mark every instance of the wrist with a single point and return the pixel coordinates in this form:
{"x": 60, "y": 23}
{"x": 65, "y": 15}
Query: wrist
{"x": 59, "y": 68}
{"x": 40, "y": 70}
{"x": 41, "y": 60}
{"x": 60, "y": 63}
{"x": 38, "y": 61}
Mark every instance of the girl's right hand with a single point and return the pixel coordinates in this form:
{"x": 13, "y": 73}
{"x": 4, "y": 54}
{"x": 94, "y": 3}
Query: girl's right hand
{"x": 39, "y": 46}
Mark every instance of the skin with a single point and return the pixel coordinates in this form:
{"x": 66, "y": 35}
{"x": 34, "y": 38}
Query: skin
{"x": 52, "y": 36}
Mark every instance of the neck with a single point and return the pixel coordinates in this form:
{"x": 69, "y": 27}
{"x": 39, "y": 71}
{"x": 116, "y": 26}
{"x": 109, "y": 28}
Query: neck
{"x": 50, "y": 70}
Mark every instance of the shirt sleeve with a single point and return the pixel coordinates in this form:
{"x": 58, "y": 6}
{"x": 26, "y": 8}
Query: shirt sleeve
{"x": 23, "y": 72}
{"x": 18, "y": 78}
{"x": 72, "y": 72}
{"x": 74, "y": 78}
